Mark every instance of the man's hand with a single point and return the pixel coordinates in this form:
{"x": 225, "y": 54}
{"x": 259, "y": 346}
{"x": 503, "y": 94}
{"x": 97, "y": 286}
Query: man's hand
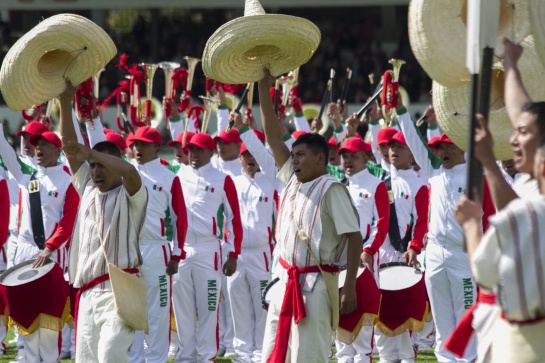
{"x": 468, "y": 210}
{"x": 410, "y": 255}
{"x": 333, "y": 112}
{"x": 484, "y": 144}
{"x": 68, "y": 95}
{"x": 367, "y": 261}
{"x": 268, "y": 80}
{"x": 512, "y": 52}
{"x": 230, "y": 266}
{"x": 172, "y": 267}
{"x": 167, "y": 102}
{"x": 249, "y": 121}
{"x": 75, "y": 150}
{"x": 348, "y": 299}
{"x": 237, "y": 119}
{"x": 344, "y": 112}
{"x": 316, "y": 125}
{"x": 375, "y": 113}
{"x": 429, "y": 112}
{"x": 42, "y": 258}
{"x": 352, "y": 124}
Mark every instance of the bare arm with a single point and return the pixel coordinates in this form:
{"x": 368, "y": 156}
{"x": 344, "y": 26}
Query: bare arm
{"x": 348, "y": 299}
{"x": 468, "y": 214}
{"x": 68, "y": 131}
{"x": 502, "y": 193}
{"x": 515, "y": 94}
{"x": 118, "y": 166}
{"x": 272, "y": 130}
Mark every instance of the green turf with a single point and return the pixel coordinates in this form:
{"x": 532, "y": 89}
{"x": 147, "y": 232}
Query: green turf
{"x": 423, "y": 357}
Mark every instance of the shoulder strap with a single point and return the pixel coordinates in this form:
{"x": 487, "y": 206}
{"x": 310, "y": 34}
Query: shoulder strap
{"x": 36, "y": 216}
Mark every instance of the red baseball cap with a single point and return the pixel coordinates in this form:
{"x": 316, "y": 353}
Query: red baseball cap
{"x": 147, "y": 134}
{"x": 32, "y": 128}
{"x": 49, "y": 136}
{"x": 260, "y": 135}
{"x": 399, "y": 137}
{"x": 435, "y": 141}
{"x": 202, "y": 141}
{"x": 333, "y": 142}
{"x": 296, "y": 134}
{"x": 354, "y": 145}
{"x": 117, "y": 139}
{"x": 180, "y": 139}
{"x": 385, "y": 134}
{"x": 107, "y": 131}
{"x": 233, "y": 136}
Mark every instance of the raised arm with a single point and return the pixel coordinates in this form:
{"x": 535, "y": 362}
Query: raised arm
{"x": 515, "y": 94}
{"x": 272, "y": 130}
{"x": 12, "y": 162}
{"x": 68, "y": 131}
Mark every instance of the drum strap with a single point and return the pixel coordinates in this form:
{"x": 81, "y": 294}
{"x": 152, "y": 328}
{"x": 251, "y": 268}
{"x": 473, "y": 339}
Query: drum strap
{"x": 36, "y": 216}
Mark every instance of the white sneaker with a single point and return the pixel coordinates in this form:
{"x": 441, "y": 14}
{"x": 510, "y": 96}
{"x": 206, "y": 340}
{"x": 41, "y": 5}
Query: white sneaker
{"x": 230, "y": 354}
{"x": 221, "y": 352}
{"x": 172, "y": 350}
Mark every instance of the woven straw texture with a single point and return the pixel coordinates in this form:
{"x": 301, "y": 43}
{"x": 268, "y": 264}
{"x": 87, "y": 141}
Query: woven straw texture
{"x": 62, "y": 46}
{"x": 253, "y": 7}
{"x": 239, "y": 50}
{"x": 537, "y": 21}
{"x": 452, "y": 104}
{"x": 437, "y": 33}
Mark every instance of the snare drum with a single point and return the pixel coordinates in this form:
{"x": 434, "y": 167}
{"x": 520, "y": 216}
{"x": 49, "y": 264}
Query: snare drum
{"x": 404, "y": 303}
{"x": 367, "y": 310}
{"x": 269, "y": 292}
{"x": 36, "y": 297}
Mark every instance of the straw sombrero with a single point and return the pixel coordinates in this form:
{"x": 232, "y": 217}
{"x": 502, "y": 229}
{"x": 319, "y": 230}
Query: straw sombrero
{"x": 451, "y": 104}
{"x": 62, "y": 46}
{"x": 437, "y": 33}
{"x": 537, "y": 15}
{"x": 239, "y": 50}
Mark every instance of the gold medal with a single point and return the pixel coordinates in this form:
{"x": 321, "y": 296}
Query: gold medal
{"x": 303, "y": 235}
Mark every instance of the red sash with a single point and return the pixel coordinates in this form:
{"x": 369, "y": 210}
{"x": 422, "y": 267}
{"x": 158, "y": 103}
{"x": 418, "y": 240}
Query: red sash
{"x": 293, "y": 306}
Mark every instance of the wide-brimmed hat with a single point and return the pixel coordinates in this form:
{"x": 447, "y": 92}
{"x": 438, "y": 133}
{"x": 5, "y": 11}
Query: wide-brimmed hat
{"x": 537, "y": 14}
{"x": 239, "y": 50}
{"x": 438, "y": 32}
{"x": 452, "y": 104}
{"x": 62, "y": 46}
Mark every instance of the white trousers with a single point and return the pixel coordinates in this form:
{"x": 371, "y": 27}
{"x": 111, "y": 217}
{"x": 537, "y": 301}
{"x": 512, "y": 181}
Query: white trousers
{"x": 226, "y": 327}
{"x": 451, "y": 291}
{"x": 155, "y": 259}
{"x": 195, "y": 291}
{"x": 43, "y": 345}
{"x": 310, "y": 340}
{"x": 245, "y": 287}
{"x": 362, "y": 348}
{"x": 101, "y": 336}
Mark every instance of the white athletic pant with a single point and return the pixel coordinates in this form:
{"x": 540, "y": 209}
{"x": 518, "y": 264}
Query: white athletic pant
{"x": 195, "y": 290}
{"x": 101, "y": 336}
{"x": 245, "y": 287}
{"x": 155, "y": 259}
{"x": 310, "y": 340}
{"x": 362, "y": 349}
{"x": 43, "y": 345}
{"x": 227, "y": 330}
{"x": 451, "y": 291}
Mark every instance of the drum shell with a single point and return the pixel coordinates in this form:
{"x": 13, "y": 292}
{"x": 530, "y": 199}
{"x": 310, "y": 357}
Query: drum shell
{"x": 368, "y": 295}
{"x": 46, "y": 295}
{"x": 404, "y": 309}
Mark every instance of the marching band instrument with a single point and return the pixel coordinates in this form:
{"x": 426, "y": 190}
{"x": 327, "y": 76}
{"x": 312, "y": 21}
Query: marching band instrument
{"x": 210, "y": 105}
{"x": 421, "y": 120}
{"x": 149, "y": 69}
{"x": 156, "y": 111}
{"x": 239, "y": 106}
{"x": 327, "y": 95}
{"x": 96, "y": 84}
{"x": 332, "y": 80}
{"x": 390, "y": 85}
{"x": 168, "y": 68}
{"x": 288, "y": 83}
{"x": 344, "y": 91}
{"x": 311, "y": 111}
{"x": 191, "y": 64}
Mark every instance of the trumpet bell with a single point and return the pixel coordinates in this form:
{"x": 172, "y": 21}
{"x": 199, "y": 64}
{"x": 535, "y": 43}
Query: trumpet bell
{"x": 157, "y": 112}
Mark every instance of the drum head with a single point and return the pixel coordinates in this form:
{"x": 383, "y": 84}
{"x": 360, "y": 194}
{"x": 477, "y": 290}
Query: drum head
{"x": 272, "y": 290}
{"x": 342, "y": 276}
{"x": 398, "y": 276}
{"x": 24, "y": 273}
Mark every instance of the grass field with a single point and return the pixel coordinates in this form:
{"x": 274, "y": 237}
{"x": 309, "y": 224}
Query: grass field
{"x": 423, "y": 357}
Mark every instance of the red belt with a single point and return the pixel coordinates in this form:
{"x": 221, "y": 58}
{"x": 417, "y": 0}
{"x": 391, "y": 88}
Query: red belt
{"x": 458, "y": 340}
{"x": 293, "y": 306}
{"x": 94, "y": 282}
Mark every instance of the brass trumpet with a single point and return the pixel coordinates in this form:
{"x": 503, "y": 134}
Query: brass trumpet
{"x": 210, "y": 105}
{"x": 191, "y": 64}
{"x": 390, "y": 86}
{"x": 168, "y": 68}
{"x": 149, "y": 69}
